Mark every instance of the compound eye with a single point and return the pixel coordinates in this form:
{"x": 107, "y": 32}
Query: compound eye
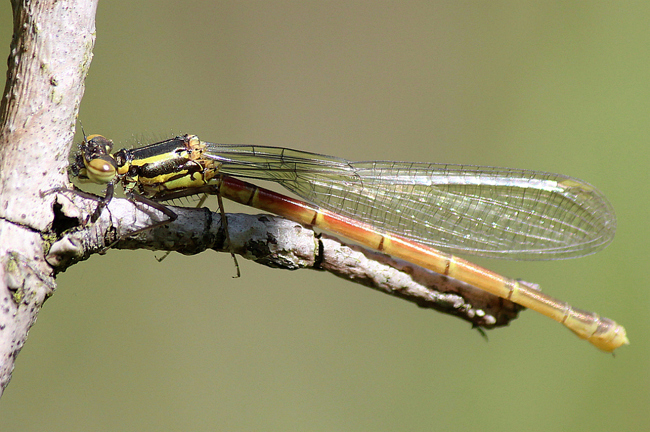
{"x": 101, "y": 169}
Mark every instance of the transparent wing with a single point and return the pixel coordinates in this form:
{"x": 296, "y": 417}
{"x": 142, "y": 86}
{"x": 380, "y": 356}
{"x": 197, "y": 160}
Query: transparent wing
{"x": 486, "y": 211}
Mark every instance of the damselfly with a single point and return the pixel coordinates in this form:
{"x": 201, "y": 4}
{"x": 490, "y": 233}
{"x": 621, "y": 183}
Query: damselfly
{"x": 405, "y": 209}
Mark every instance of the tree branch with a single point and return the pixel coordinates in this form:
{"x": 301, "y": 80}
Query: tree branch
{"x": 50, "y": 55}
{"x": 274, "y": 242}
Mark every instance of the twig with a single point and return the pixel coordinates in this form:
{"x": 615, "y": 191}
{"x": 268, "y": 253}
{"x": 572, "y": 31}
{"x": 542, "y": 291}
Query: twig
{"x": 278, "y": 243}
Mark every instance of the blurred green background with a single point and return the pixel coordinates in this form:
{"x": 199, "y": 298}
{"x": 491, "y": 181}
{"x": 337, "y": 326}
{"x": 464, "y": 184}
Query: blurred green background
{"x": 130, "y": 344}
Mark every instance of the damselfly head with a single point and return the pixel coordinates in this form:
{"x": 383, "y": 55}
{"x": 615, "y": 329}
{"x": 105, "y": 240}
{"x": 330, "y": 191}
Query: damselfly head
{"x": 93, "y": 161}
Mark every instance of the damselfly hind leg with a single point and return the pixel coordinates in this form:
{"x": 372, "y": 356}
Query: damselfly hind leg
{"x": 205, "y": 191}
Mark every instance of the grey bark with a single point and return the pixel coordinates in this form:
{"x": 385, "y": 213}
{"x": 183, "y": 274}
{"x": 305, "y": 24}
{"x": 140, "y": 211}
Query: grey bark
{"x": 50, "y": 55}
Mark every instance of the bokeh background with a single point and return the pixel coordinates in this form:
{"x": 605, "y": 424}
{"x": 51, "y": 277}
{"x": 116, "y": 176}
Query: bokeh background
{"x": 127, "y": 343}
